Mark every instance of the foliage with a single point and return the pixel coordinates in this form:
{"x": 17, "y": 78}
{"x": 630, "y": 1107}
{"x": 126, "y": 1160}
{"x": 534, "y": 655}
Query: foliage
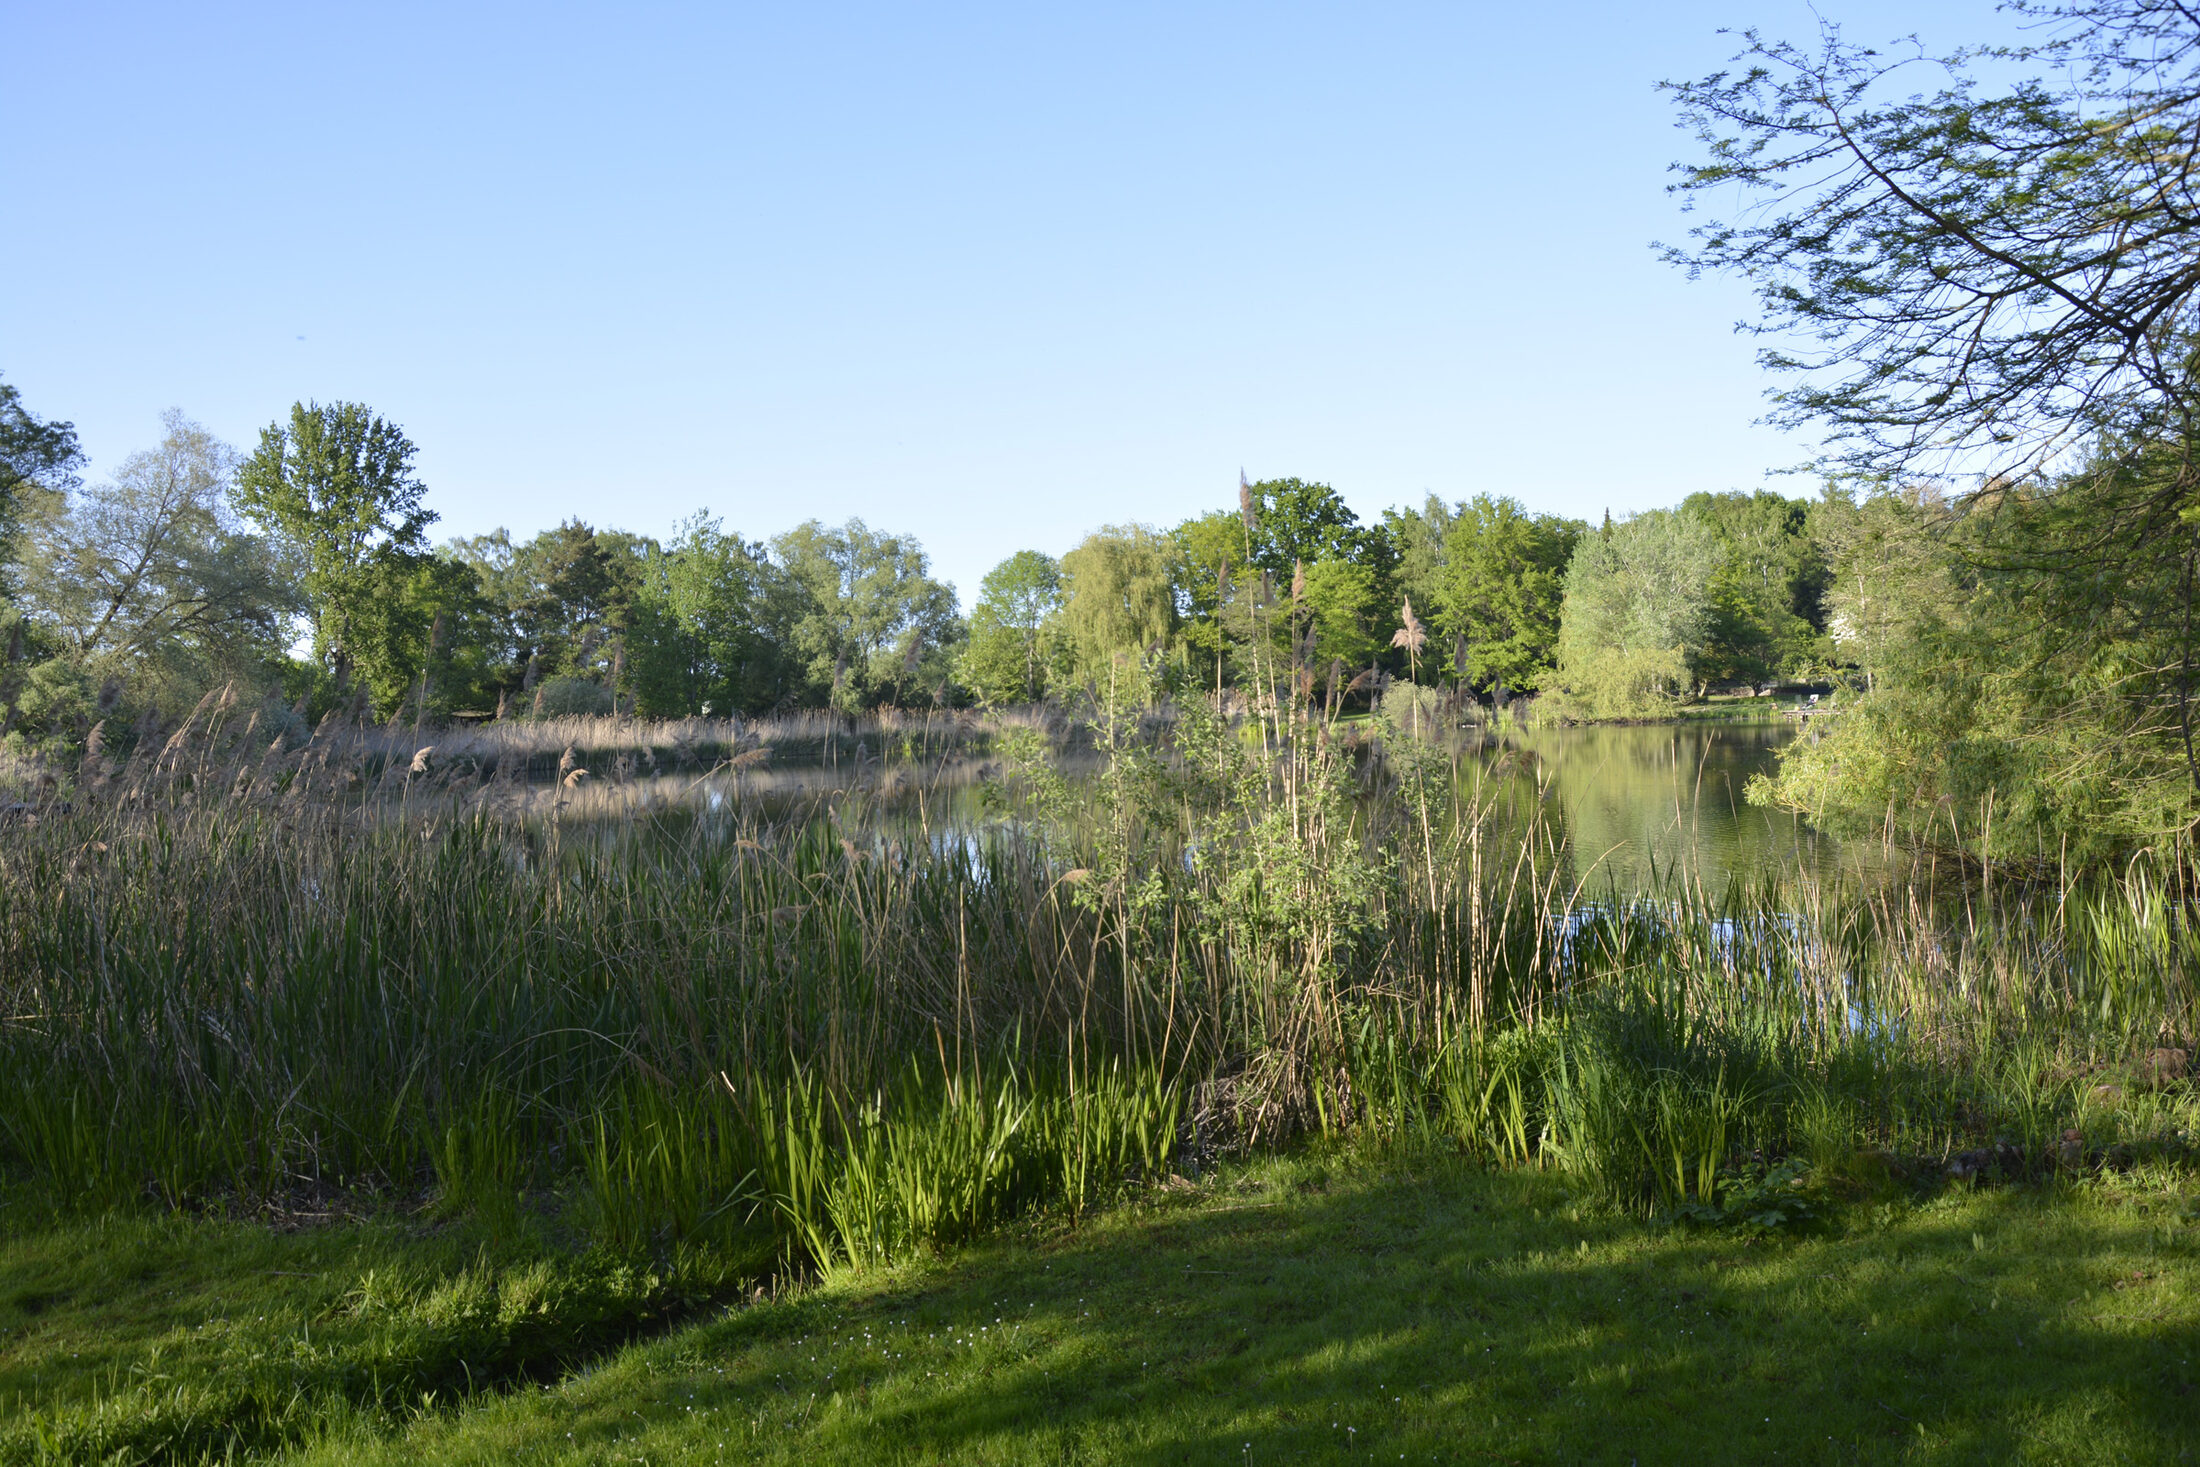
{"x": 1345, "y": 607}
{"x": 1007, "y": 658}
{"x": 338, "y": 484}
{"x": 1418, "y": 541}
{"x": 571, "y": 697}
{"x": 868, "y": 624}
{"x": 1500, "y": 591}
{"x": 706, "y": 629}
{"x": 1767, "y": 594}
{"x": 1992, "y": 282}
{"x": 150, "y": 582}
{"x": 1976, "y": 272}
{"x": 1295, "y": 521}
{"x": 1117, "y": 599}
{"x": 2010, "y": 709}
{"x": 38, "y": 461}
{"x": 1636, "y": 614}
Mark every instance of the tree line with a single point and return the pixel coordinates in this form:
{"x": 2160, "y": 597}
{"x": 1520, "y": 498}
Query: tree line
{"x": 305, "y": 570}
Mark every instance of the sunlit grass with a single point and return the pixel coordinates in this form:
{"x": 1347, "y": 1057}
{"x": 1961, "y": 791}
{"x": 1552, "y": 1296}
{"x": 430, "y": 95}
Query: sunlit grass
{"x": 1320, "y": 1308}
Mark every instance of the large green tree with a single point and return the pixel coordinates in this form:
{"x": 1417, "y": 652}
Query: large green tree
{"x": 1007, "y": 657}
{"x": 708, "y": 626}
{"x": 149, "y": 579}
{"x": 2021, "y": 713}
{"x": 1993, "y": 283}
{"x": 1500, "y": 590}
{"x": 1207, "y": 564}
{"x": 1296, "y": 521}
{"x": 1418, "y": 546}
{"x": 337, "y": 482}
{"x": 1767, "y": 596}
{"x": 869, "y": 623}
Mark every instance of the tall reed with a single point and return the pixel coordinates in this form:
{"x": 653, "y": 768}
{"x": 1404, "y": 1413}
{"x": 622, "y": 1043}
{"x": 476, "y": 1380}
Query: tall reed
{"x": 836, "y": 1028}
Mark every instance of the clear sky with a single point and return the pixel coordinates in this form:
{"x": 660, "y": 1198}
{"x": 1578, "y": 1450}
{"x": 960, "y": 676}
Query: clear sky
{"x": 994, "y": 275}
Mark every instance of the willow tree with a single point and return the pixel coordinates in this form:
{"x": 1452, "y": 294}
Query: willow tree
{"x": 1638, "y": 605}
{"x": 1117, "y": 597}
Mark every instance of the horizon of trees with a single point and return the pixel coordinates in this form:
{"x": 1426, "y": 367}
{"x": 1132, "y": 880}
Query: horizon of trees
{"x": 194, "y": 564}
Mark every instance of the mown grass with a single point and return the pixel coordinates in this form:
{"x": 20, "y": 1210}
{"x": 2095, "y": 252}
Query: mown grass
{"x": 178, "y": 1339}
{"x": 1329, "y": 1305}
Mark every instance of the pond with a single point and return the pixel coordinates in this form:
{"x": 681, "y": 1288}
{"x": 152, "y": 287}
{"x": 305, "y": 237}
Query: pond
{"x": 1639, "y": 806}
{"x": 1642, "y": 805}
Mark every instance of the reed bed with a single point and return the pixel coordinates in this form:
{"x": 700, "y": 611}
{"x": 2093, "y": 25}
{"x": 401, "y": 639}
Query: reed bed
{"x": 826, "y": 1030}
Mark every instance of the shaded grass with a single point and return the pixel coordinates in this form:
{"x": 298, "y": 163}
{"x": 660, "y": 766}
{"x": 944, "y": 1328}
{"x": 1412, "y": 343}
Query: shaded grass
{"x": 1326, "y": 1306}
{"x": 180, "y": 1339}
{"x": 1301, "y": 1312}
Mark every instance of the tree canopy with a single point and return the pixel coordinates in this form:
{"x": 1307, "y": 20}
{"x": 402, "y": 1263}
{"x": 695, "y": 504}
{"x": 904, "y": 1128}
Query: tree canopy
{"x": 35, "y": 456}
{"x": 338, "y": 484}
{"x": 1006, "y": 659}
{"x": 1984, "y": 296}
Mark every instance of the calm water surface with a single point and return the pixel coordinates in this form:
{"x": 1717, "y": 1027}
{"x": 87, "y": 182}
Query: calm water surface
{"x": 1638, "y": 806}
{"x": 1645, "y": 804}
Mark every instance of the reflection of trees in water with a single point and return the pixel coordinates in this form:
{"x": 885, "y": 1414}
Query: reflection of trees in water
{"x": 1644, "y": 804}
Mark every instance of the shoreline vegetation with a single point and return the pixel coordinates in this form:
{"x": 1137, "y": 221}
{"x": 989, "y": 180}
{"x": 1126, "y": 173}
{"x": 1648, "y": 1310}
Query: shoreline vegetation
{"x": 656, "y": 1054}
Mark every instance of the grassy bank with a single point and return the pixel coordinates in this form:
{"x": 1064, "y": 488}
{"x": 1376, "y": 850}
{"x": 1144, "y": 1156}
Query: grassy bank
{"x": 1325, "y": 1306}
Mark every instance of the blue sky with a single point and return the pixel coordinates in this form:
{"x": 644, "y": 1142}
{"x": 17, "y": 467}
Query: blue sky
{"x": 994, "y": 275}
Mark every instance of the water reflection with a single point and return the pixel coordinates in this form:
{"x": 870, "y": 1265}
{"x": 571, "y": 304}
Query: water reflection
{"x": 1636, "y": 808}
{"x": 1643, "y": 805}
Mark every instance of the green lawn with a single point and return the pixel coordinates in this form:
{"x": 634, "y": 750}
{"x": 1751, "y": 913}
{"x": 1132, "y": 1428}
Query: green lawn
{"x": 1293, "y": 1310}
